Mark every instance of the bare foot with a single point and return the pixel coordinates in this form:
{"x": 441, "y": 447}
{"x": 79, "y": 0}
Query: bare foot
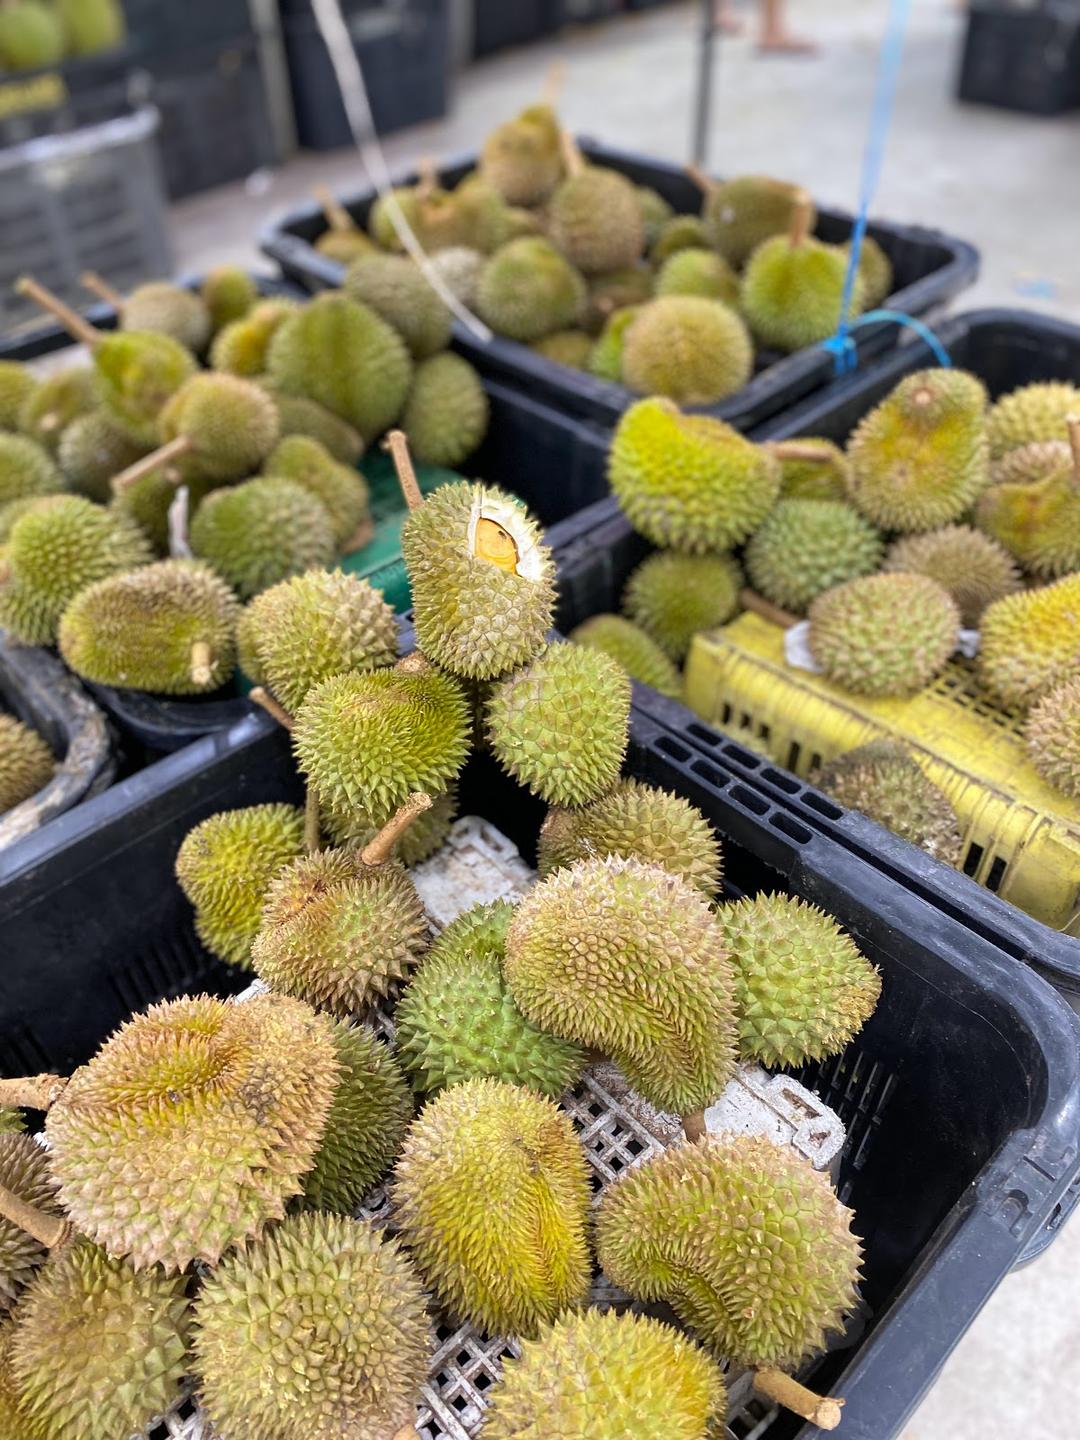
{"x": 782, "y": 43}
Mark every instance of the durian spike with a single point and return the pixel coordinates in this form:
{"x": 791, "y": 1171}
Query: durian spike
{"x": 32, "y": 1092}
{"x": 571, "y": 155}
{"x": 312, "y": 828}
{"x": 201, "y": 669}
{"x": 337, "y": 217}
{"x": 78, "y": 328}
{"x": 174, "y": 450}
{"x": 1073, "y": 422}
{"x": 821, "y": 1410}
{"x": 797, "y": 450}
{"x": 380, "y": 848}
{"x": 801, "y": 217}
{"x": 428, "y": 176}
{"x": 47, "y": 1230}
{"x": 92, "y": 281}
{"x": 751, "y": 600}
{"x": 398, "y": 446}
{"x": 264, "y": 699}
{"x": 694, "y": 1127}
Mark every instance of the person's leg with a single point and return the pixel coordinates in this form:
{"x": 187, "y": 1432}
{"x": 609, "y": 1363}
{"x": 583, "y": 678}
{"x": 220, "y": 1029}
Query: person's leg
{"x": 776, "y": 38}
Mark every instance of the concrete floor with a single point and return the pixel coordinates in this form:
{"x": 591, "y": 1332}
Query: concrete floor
{"x": 1004, "y": 181}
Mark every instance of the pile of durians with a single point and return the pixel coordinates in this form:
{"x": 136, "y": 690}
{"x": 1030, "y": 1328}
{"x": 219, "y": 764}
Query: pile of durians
{"x": 192, "y": 1214}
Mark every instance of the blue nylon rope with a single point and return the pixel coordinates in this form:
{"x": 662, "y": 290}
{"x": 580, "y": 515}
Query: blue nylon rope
{"x": 847, "y": 357}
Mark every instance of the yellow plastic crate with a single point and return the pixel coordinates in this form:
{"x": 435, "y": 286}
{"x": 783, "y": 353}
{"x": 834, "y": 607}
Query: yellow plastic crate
{"x": 1021, "y": 836}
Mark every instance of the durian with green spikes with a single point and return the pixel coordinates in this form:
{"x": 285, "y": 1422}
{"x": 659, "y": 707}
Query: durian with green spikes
{"x": 159, "y": 307}
{"x": 528, "y": 290}
{"x": 26, "y": 762}
{"x": 300, "y": 416}
{"x": 92, "y": 450}
{"x": 1032, "y": 414}
{"x": 447, "y": 412}
{"x": 229, "y": 294}
{"x": 884, "y": 781}
{"x": 698, "y": 272}
{"x": 24, "y": 1173}
{"x": 262, "y": 532}
{"x": 806, "y": 547}
{"x": 674, "y": 597}
{"x": 26, "y": 469}
{"x": 424, "y": 837}
{"x": 691, "y": 349}
{"x": 341, "y": 488}
{"x": 1029, "y": 643}
{"x": 743, "y": 212}
{"x": 974, "y": 568}
{"x": 240, "y": 347}
{"x": 1038, "y": 522}
{"x": 396, "y": 288}
{"x": 1053, "y": 736}
{"x": 522, "y": 158}
{"x": 54, "y": 402}
{"x": 627, "y": 644}
{"x": 17, "y": 383}
{"x": 680, "y": 232}
{"x": 594, "y": 216}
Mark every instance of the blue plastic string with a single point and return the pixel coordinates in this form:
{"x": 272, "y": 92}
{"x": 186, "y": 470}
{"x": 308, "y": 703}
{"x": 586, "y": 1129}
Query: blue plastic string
{"x": 847, "y": 354}
{"x": 892, "y": 51}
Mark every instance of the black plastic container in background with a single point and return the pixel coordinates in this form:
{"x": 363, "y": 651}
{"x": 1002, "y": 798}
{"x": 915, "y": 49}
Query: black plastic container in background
{"x": 161, "y": 29}
{"x": 497, "y": 25}
{"x": 960, "y": 1095}
{"x": 1022, "y": 57}
{"x": 59, "y": 98}
{"x": 597, "y": 549}
{"x": 930, "y": 270}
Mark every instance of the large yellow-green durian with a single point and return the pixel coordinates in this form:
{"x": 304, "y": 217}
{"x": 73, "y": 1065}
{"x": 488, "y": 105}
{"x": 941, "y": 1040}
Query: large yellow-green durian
{"x": 92, "y": 450}
{"x": 261, "y": 532}
{"x": 26, "y": 762}
{"x": 674, "y": 597}
{"x": 1034, "y": 413}
{"x": 792, "y": 289}
{"x": 884, "y": 781}
{"x": 886, "y": 634}
{"x": 1053, "y": 736}
{"x": 528, "y": 290}
{"x": 975, "y": 569}
{"x": 595, "y": 219}
{"x": 746, "y": 210}
{"x": 1030, "y": 642}
{"x": 341, "y": 488}
{"x": 168, "y": 309}
{"x": 230, "y": 426}
{"x": 688, "y": 348}
{"x": 805, "y": 547}
{"x": 522, "y": 158}
{"x": 639, "y": 655}
{"x": 394, "y": 287}
{"x": 446, "y": 415}
{"x": 1038, "y": 521}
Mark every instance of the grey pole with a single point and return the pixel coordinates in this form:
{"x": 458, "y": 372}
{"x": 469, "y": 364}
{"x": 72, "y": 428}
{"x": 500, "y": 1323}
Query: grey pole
{"x": 703, "y": 106}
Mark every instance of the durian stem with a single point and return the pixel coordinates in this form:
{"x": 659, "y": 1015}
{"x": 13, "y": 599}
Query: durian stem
{"x": 337, "y": 217}
{"x": 48, "y": 1230}
{"x": 751, "y": 600}
{"x": 202, "y": 670}
{"x": 312, "y": 828}
{"x": 264, "y": 699}
{"x": 1073, "y": 422}
{"x": 554, "y": 80}
{"x": 49, "y": 422}
{"x": 797, "y": 450}
{"x": 694, "y": 1127}
{"x": 360, "y": 537}
{"x": 92, "y": 281}
{"x": 149, "y": 463}
{"x": 414, "y": 664}
{"x": 380, "y": 849}
{"x": 32, "y": 1092}
{"x": 800, "y": 220}
{"x": 700, "y": 179}
{"x": 821, "y": 1410}
{"x": 428, "y": 175}
{"x": 78, "y": 328}
{"x": 398, "y": 445}
{"x": 572, "y": 161}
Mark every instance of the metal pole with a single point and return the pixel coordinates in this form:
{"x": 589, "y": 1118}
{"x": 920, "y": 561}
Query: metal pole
{"x": 706, "y": 55}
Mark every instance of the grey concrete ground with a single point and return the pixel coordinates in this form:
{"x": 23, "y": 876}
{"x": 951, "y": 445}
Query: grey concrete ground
{"x": 1007, "y": 182}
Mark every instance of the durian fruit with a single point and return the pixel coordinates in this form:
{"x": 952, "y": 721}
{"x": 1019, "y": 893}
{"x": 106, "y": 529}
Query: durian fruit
{"x": 434, "y": 215}
{"x": 138, "y": 372}
{"x": 424, "y": 836}
{"x": 446, "y": 414}
{"x": 31, "y": 35}
{"x": 561, "y": 725}
{"x": 629, "y": 959}
{"x": 26, "y": 469}
{"x": 482, "y": 580}
{"x": 240, "y": 346}
{"x": 607, "y": 1376}
{"x": 345, "y": 357}
{"x": 681, "y": 232}
{"x": 24, "y": 1173}
{"x": 91, "y": 26}
{"x": 634, "y": 821}
{"x": 210, "y": 1113}
{"x": 594, "y": 217}
{"x": 674, "y": 597}
{"x": 1030, "y": 642}
{"x": 1037, "y": 412}
{"x": 52, "y": 553}
{"x": 11, "y": 1120}
{"x": 690, "y": 349}
{"x": 522, "y": 158}
{"x": 168, "y": 310}
{"x": 457, "y": 1020}
{"x": 394, "y": 287}
{"x": 26, "y": 762}
{"x": 229, "y": 294}
{"x": 14, "y": 1423}
{"x": 793, "y": 286}
{"x": 314, "y": 1332}
{"x": 1030, "y": 463}
{"x": 225, "y": 867}
{"x": 875, "y": 271}
{"x": 13, "y": 510}
{"x": 920, "y": 458}
{"x": 655, "y": 213}
{"x": 370, "y": 1113}
{"x": 17, "y": 384}
{"x": 99, "y": 1349}
{"x": 342, "y": 241}
{"x": 806, "y": 547}
{"x": 632, "y": 285}
{"x": 887, "y": 634}
{"x": 216, "y": 427}
{"x": 341, "y": 488}
{"x": 148, "y": 499}
{"x": 689, "y": 482}
{"x": 92, "y": 450}
{"x": 167, "y": 628}
{"x": 629, "y": 646}
{"x": 698, "y": 272}
{"x": 483, "y": 214}
{"x": 55, "y": 402}
{"x": 883, "y": 781}
{"x": 772, "y": 1273}
{"x": 368, "y": 742}
{"x": 300, "y": 416}
{"x": 261, "y": 532}
{"x": 566, "y": 347}
{"x": 802, "y": 987}
{"x": 528, "y": 290}
{"x": 459, "y": 269}
{"x": 491, "y": 1195}
{"x": 304, "y": 630}
{"x": 742, "y": 213}
{"x": 1038, "y": 521}
{"x": 340, "y": 929}
{"x": 975, "y": 569}
{"x": 1053, "y": 736}
{"x": 606, "y": 356}
{"x": 812, "y": 469}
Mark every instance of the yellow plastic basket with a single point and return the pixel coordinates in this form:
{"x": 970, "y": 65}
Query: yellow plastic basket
{"x": 1021, "y": 836}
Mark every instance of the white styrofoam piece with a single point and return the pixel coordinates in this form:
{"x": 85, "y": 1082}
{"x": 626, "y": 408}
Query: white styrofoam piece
{"x": 477, "y": 865}
{"x": 778, "y": 1107}
{"x": 799, "y": 656}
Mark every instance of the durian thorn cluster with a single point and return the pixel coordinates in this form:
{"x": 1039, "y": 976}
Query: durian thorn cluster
{"x": 337, "y": 217}
{"x": 821, "y": 1410}
{"x": 32, "y": 1092}
{"x": 398, "y": 447}
{"x": 92, "y": 281}
{"x": 380, "y": 848}
{"x": 76, "y": 326}
{"x": 52, "y": 1231}
{"x": 163, "y": 456}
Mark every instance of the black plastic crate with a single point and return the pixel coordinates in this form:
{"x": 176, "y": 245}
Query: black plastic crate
{"x": 597, "y": 549}
{"x": 60, "y": 98}
{"x": 160, "y": 29}
{"x": 959, "y": 1097}
{"x": 498, "y": 25}
{"x": 1022, "y": 57}
{"x": 930, "y": 269}
{"x": 404, "y": 54}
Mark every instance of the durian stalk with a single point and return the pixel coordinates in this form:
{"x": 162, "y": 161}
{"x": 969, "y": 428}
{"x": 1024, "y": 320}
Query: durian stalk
{"x": 398, "y": 446}
{"x": 428, "y": 176}
{"x": 797, "y": 450}
{"x": 270, "y": 705}
{"x": 47, "y": 1230}
{"x": 78, "y": 328}
{"x": 32, "y": 1092}
{"x": 49, "y": 422}
{"x": 163, "y": 456}
{"x": 1073, "y": 423}
{"x": 700, "y": 179}
{"x": 337, "y": 217}
{"x": 92, "y": 281}
{"x": 801, "y": 217}
{"x": 414, "y": 664}
{"x": 751, "y": 600}
{"x": 572, "y": 161}
{"x": 360, "y": 537}
{"x": 312, "y": 828}
{"x": 694, "y": 1127}
{"x": 201, "y": 668}
{"x": 821, "y": 1410}
{"x": 380, "y": 848}
{"x": 554, "y": 80}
